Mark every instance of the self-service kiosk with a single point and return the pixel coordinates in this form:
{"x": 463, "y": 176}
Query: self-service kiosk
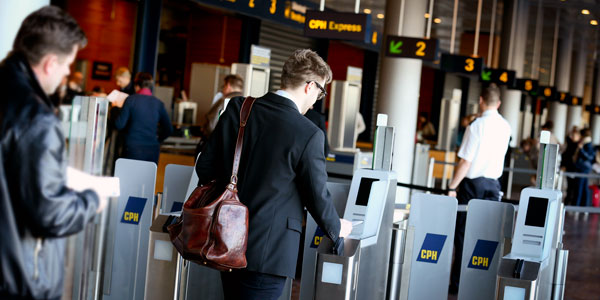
{"x": 256, "y": 78}
{"x": 361, "y": 270}
{"x": 536, "y": 266}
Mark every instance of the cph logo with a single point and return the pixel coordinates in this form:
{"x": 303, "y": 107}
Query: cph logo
{"x": 316, "y": 240}
{"x": 482, "y": 255}
{"x": 432, "y": 248}
{"x": 133, "y": 210}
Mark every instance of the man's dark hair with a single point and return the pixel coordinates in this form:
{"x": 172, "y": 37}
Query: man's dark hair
{"x": 235, "y": 81}
{"x": 548, "y": 125}
{"x": 491, "y": 94}
{"x": 585, "y": 132}
{"x": 143, "y": 80}
{"x": 304, "y": 65}
{"x": 48, "y": 30}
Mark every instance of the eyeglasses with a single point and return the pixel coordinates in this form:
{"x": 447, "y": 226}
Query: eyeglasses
{"x": 323, "y": 92}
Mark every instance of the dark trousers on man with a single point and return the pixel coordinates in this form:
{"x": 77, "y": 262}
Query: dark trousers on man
{"x": 248, "y": 285}
{"x": 477, "y": 188}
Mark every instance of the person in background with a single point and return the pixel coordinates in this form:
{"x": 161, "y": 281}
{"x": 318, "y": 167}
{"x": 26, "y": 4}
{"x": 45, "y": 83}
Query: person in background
{"x": 37, "y": 208}
{"x": 464, "y": 123}
{"x": 425, "y": 129}
{"x": 481, "y": 154}
{"x": 567, "y": 164}
{"x": 74, "y": 87}
{"x": 145, "y": 122}
{"x": 282, "y": 170}
{"x": 319, "y": 119}
{"x": 549, "y": 126}
{"x": 123, "y": 80}
{"x": 233, "y": 85}
{"x": 584, "y": 159}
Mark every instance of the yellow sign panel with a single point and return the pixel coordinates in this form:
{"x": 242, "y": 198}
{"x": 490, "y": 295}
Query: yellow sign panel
{"x": 504, "y": 77}
{"x": 528, "y": 85}
{"x": 547, "y": 92}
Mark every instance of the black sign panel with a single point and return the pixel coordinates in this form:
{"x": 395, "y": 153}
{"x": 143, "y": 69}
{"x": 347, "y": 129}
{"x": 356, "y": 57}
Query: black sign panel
{"x": 498, "y": 76}
{"x": 101, "y": 70}
{"x": 575, "y": 101}
{"x": 461, "y": 64}
{"x": 407, "y": 47}
{"x": 594, "y": 109}
{"x": 334, "y": 25}
{"x": 549, "y": 93}
{"x": 528, "y": 85}
{"x": 564, "y": 97}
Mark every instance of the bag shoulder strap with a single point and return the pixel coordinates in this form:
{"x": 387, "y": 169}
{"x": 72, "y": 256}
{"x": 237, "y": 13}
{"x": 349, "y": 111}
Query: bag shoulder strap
{"x": 244, "y": 115}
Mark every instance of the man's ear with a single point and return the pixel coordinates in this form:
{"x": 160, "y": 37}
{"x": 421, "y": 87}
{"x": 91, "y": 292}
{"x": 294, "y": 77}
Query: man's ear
{"x": 306, "y": 87}
{"x": 48, "y": 63}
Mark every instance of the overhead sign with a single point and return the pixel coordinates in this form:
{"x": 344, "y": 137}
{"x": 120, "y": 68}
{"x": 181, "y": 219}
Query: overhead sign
{"x": 408, "y": 47}
{"x": 260, "y": 56}
{"x": 432, "y": 248}
{"x": 462, "y": 64}
{"x": 341, "y": 26}
{"x": 594, "y": 109}
{"x": 498, "y": 76}
{"x": 528, "y": 85}
{"x": 575, "y": 101}
{"x": 548, "y": 92}
{"x": 564, "y": 97}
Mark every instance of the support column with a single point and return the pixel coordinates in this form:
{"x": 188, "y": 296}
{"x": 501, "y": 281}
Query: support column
{"x": 558, "y": 111}
{"x": 577, "y": 85}
{"x": 146, "y": 36}
{"x": 12, "y": 14}
{"x": 400, "y": 82}
{"x": 514, "y": 41}
{"x": 595, "y": 118}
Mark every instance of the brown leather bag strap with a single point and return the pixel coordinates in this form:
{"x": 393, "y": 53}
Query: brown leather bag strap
{"x": 244, "y": 114}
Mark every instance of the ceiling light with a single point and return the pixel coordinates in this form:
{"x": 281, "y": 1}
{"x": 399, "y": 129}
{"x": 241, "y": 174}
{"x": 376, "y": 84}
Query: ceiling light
{"x": 437, "y": 20}
{"x": 585, "y": 12}
{"x": 426, "y": 16}
{"x": 379, "y": 16}
{"x": 367, "y": 11}
{"x": 594, "y": 22}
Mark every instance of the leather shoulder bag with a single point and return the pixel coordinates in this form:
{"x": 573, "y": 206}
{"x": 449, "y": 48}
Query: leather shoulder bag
{"x": 213, "y": 227}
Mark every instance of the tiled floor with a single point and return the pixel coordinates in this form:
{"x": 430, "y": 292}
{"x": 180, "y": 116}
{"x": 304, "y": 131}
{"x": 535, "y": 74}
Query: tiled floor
{"x": 582, "y": 239}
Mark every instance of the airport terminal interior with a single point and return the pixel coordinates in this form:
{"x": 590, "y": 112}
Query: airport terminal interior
{"x": 406, "y": 86}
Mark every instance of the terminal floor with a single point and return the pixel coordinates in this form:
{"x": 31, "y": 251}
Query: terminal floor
{"x": 582, "y": 239}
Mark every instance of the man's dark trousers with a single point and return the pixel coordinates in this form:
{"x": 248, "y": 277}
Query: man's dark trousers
{"x": 248, "y": 285}
{"x": 477, "y": 188}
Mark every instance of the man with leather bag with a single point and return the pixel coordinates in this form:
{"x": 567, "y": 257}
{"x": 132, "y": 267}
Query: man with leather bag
{"x": 281, "y": 171}
{"x": 37, "y": 209}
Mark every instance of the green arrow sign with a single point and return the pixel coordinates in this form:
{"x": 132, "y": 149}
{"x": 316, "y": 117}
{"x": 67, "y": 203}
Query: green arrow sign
{"x": 395, "y": 47}
{"x": 486, "y": 75}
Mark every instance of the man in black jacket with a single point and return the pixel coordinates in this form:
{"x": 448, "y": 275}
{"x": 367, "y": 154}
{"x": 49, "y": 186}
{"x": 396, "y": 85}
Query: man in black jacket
{"x": 37, "y": 209}
{"x": 282, "y": 169}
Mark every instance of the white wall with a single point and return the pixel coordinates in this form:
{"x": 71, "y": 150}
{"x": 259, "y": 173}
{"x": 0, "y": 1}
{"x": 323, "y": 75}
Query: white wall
{"x": 12, "y": 13}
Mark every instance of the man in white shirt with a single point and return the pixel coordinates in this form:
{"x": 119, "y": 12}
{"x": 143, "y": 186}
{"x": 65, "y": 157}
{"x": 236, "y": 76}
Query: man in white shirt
{"x": 481, "y": 162}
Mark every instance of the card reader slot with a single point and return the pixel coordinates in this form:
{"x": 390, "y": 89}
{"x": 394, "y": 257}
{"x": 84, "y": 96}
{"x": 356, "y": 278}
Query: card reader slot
{"x": 529, "y": 242}
{"x": 360, "y": 215}
{"x": 533, "y": 235}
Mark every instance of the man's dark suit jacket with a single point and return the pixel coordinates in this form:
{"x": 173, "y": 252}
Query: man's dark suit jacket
{"x": 282, "y": 169}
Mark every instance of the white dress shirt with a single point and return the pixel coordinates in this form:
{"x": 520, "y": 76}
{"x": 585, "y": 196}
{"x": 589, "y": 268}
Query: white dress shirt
{"x": 485, "y": 144}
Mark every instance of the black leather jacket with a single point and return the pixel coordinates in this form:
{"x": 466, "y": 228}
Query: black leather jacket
{"x": 37, "y": 210}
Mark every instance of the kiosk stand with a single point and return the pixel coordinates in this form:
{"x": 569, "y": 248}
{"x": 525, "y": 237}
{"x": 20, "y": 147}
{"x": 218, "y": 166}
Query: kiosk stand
{"x": 536, "y": 266}
{"x": 361, "y": 271}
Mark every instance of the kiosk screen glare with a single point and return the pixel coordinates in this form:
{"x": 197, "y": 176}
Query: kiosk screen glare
{"x": 536, "y": 212}
{"x": 364, "y": 190}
